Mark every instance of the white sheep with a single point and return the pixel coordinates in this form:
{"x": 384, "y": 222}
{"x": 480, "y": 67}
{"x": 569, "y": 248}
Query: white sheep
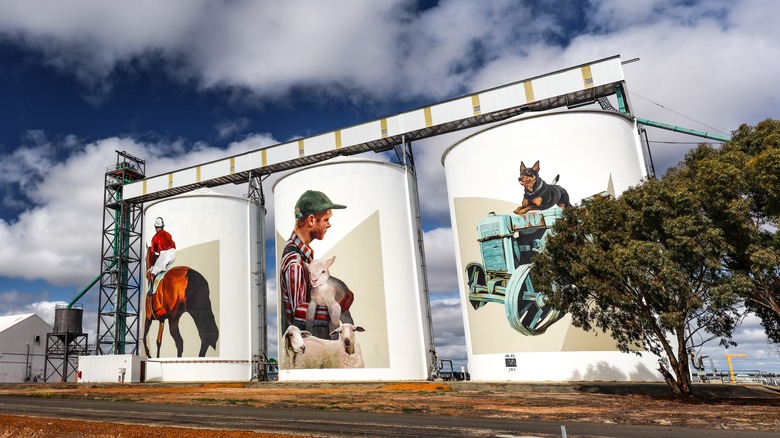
{"x": 343, "y": 352}
{"x": 327, "y": 291}
{"x": 322, "y": 353}
{"x": 352, "y": 356}
{"x": 294, "y": 348}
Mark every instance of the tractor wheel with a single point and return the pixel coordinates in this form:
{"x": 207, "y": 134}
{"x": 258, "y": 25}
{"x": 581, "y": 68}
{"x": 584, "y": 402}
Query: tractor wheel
{"x": 527, "y": 310}
{"x": 476, "y": 280}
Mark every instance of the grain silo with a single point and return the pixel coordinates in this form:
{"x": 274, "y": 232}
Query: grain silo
{"x": 212, "y": 286}
{"x": 511, "y": 333}
{"x": 373, "y": 247}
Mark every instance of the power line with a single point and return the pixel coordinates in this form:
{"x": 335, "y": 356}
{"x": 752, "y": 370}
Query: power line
{"x": 679, "y": 114}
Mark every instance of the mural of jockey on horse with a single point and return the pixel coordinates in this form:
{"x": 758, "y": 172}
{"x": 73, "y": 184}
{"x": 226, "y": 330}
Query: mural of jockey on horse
{"x": 173, "y": 291}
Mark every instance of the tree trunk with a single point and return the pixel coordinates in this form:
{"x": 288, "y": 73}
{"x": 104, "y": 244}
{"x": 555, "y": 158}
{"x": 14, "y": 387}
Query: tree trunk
{"x": 680, "y": 382}
{"x": 683, "y": 373}
{"x": 670, "y": 380}
{"x": 681, "y": 366}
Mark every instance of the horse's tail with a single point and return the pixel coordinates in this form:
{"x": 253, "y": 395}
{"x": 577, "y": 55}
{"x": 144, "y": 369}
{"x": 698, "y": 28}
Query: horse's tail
{"x": 199, "y": 307}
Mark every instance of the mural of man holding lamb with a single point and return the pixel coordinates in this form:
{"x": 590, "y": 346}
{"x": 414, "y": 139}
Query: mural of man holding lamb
{"x": 312, "y": 220}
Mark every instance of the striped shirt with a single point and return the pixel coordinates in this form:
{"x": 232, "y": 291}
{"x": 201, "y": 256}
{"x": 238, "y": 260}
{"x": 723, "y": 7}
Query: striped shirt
{"x": 294, "y": 277}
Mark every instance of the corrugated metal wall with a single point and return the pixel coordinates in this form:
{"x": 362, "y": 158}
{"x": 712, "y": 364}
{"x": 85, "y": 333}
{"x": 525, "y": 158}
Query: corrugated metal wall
{"x": 14, "y": 357}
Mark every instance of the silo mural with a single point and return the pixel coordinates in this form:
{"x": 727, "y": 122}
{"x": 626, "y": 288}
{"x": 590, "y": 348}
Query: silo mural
{"x": 351, "y": 302}
{"x": 507, "y": 185}
{"x": 200, "y": 308}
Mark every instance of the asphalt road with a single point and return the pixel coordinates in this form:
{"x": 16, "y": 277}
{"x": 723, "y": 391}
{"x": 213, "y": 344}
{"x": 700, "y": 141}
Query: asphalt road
{"x": 324, "y": 423}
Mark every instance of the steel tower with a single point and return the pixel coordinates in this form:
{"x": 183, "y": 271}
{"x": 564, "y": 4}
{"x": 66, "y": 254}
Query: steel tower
{"x": 120, "y": 284}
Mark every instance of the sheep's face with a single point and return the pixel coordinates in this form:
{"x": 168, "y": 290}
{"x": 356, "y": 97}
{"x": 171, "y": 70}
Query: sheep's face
{"x": 318, "y": 271}
{"x": 293, "y": 340}
{"x": 347, "y": 336}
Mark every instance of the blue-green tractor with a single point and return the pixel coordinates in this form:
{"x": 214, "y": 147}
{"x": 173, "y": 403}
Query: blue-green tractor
{"x": 507, "y": 243}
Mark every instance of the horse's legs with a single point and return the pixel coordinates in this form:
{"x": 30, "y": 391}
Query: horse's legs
{"x": 176, "y": 335}
{"x": 204, "y": 337}
{"x": 203, "y": 348}
{"x": 159, "y": 336}
{"x": 147, "y": 325}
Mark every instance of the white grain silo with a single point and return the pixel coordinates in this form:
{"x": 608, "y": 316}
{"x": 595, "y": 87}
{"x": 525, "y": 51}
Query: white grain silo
{"x": 217, "y": 251}
{"x": 377, "y": 249}
{"x": 511, "y": 333}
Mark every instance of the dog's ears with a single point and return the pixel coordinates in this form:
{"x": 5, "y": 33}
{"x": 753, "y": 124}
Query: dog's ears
{"x": 535, "y": 167}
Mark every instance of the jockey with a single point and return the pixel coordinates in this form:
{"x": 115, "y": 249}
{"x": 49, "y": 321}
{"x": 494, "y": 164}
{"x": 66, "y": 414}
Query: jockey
{"x": 161, "y": 254}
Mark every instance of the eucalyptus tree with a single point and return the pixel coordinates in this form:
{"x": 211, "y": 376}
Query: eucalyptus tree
{"x": 644, "y": 268}
{"x": 740, "y": 186}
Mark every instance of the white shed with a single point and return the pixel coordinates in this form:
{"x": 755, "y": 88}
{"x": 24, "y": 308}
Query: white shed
{"x": 22, "y": 347}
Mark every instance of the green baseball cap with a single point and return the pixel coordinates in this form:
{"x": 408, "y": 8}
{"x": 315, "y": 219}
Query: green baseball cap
{"x": 313, "y": 202}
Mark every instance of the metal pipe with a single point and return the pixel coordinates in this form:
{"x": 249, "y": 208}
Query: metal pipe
{"x": 651, "y": 169}
{"x": 683, "y": 130}
{"x": 27, "y": 365}
{"x": 92, "y": 283}
{"x": 413, "y": 194}
{"x": 622, "y": 106}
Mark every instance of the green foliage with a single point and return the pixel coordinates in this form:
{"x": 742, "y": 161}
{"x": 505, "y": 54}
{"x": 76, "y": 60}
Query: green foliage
{"x": 741, "y": 183}
{"x": 762, "y": 145}
{"x": 643, "y": 267}
{"x": 684, "y": 251}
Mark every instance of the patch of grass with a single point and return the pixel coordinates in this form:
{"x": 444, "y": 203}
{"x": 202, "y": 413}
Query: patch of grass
{"x": 205, "y": 400}
{"x": 286, "y": 404}
{"x": 412, "y": 409}
{"x": 229, "y": 401}
{"x": 333, "y": 402}
{"x": 240, "y": 401}
{"x": 42, "y": 394}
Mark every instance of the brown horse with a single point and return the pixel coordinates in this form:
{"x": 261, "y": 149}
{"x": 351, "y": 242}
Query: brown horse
{"x": 182, "y": 289}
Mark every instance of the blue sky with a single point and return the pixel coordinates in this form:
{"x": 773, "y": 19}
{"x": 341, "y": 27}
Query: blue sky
{"x": 185, "y": 82}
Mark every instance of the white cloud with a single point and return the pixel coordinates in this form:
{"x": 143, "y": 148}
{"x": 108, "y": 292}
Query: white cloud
{"x": 88, "y": 37}
{"x": 440, "y": 261}
{"x": 230, "y": 128}
{"x": 274, "y": 46}
{"x": 751, "y": 340}
{"x": 713, "y": 61}
{"x": 15, "y": 302}
{"x": 388, "y": 49}
{"x": 58, "y": 238}
{"x": 434, "y": 204}
{"x": 448, "y": 331}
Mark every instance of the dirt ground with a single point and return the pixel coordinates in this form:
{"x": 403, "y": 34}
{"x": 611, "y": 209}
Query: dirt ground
{"x": 742, "y": 407}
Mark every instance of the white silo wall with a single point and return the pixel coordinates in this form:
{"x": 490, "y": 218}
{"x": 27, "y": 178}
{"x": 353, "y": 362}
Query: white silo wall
{"x": 215, "y": 235}
{"x": 377, "y": 255}
{"x": 508, "y": 336}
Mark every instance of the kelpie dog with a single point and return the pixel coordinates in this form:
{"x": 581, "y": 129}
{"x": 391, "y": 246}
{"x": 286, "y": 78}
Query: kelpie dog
{"x": 538, "y": 195}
